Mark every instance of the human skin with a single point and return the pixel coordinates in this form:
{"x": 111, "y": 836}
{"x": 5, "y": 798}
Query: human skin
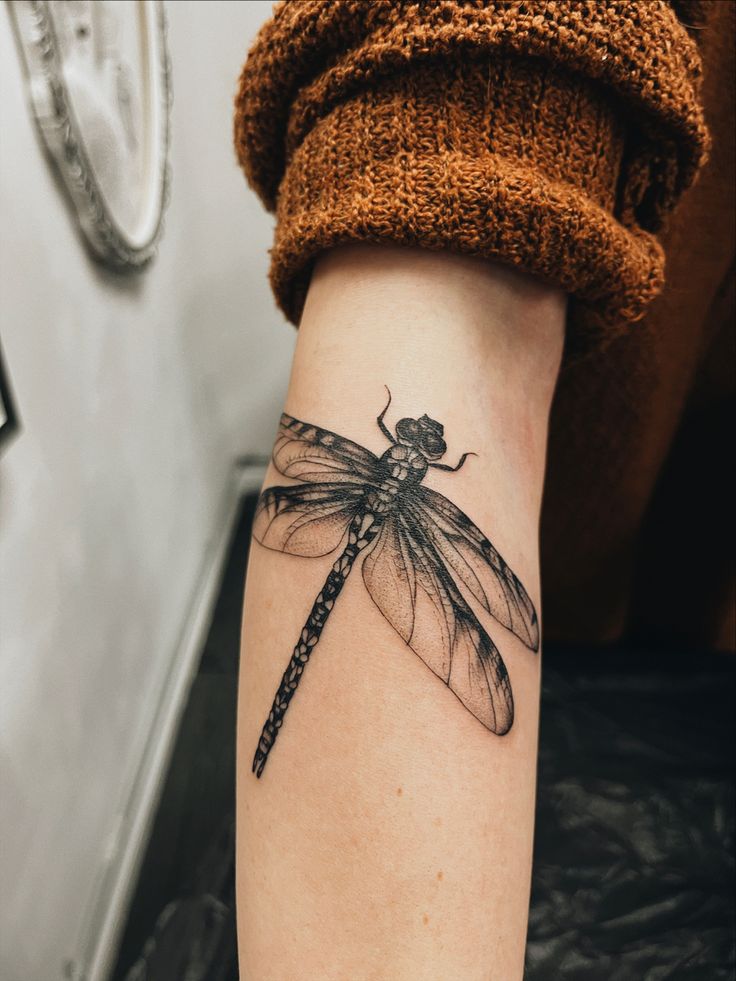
{"x": 390, "y": 836}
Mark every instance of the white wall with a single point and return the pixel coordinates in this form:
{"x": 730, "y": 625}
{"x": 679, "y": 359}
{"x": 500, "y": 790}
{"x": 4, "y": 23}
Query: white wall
{"x": 134, "y": 399}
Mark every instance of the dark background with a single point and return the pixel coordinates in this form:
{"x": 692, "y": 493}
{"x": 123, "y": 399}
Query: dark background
{"x": 634, "y": 849}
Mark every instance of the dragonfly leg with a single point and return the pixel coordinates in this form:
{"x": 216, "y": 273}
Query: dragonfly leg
{"x": 444, "y": 466}
{"x": 381, "y": 424}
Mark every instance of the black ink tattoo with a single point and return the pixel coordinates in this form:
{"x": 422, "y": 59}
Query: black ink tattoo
{"x": 417, "y": 547}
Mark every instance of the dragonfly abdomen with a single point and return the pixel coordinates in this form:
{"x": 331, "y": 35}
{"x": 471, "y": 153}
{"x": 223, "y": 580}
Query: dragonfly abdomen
{"x": 363, "y": 529}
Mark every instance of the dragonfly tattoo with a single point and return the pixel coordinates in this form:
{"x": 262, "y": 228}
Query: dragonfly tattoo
{"x": 419, "y": 552}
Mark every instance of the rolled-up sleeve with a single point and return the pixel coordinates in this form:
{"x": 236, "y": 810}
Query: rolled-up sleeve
{"x": 551, "y": 136}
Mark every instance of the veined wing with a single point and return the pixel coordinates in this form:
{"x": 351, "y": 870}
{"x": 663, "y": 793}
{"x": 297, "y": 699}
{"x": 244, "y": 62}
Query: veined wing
{"x": 409, "y": 583}
{"x": 476, "y": 562}
{"x": 313, "y": 455}
{"x": 305, "y": 519}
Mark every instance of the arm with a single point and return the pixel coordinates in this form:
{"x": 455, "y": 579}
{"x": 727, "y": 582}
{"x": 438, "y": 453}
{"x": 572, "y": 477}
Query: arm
{"x": 391, "y": 833}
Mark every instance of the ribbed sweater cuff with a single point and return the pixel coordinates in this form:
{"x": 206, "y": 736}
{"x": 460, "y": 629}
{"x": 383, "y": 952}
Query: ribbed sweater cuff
{"x": 551, "y": 137}
{"x": 512, "y": 161}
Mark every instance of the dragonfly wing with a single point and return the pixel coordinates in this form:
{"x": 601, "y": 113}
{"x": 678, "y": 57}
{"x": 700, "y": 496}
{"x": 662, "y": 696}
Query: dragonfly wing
{"x": 313, "y": 455}
{"x": 410, "y": 585}
{"x": 305, "y": 519}
{"x": 476, "y": 562}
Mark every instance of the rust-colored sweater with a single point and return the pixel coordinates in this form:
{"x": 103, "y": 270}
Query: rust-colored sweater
{"x": 557, "y": 137}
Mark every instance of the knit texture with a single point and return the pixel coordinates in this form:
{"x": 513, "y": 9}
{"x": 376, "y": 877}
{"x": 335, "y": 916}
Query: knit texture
{"x": 551, "y": 136}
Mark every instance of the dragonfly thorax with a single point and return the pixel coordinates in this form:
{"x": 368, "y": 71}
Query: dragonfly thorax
{"x": 404, "y": 463}
{"x": 400, "y": 465}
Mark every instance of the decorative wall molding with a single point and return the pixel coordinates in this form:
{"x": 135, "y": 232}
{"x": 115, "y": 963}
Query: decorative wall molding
{"x": 100, "y": 91}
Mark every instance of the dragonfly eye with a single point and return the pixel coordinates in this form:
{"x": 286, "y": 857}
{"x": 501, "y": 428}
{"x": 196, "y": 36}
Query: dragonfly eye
{"x": 431, "y": 425}
{"x": 408, "y": 431}
{"x": 432, "y": 446}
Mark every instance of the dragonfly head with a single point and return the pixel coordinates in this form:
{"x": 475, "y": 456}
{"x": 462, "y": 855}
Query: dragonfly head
{"x": 423, "y": 434}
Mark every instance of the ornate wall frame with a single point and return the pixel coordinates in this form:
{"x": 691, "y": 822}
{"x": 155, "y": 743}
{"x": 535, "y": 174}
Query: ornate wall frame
{"x": 99, "y": 87}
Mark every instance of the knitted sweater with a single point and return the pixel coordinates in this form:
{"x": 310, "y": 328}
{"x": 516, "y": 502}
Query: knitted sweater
{"x": 552, "y": 136}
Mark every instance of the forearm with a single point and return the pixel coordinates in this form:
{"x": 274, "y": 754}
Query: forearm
{"x": 390, "y": 835}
